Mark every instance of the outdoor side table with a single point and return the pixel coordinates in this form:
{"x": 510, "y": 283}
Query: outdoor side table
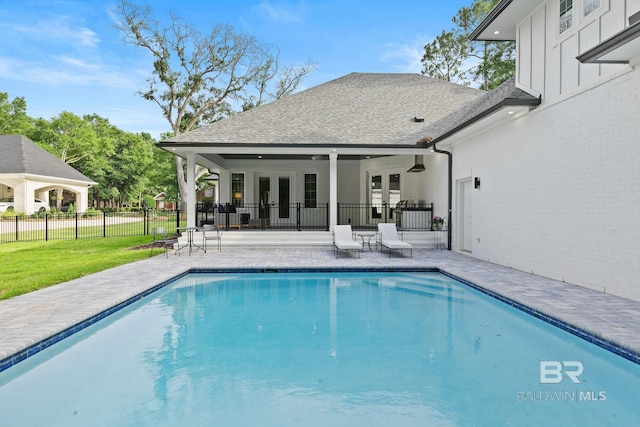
{"x": 368, "y": 235}
{"x": 190, "y": 232}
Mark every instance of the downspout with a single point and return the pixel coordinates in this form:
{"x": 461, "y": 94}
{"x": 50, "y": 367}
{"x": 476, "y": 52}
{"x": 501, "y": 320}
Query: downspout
{"x": 450, "y": 190}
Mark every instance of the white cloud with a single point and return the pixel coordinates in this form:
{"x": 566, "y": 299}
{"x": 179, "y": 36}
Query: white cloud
{"x": 291, "y": 13}
{"x": 65, "y": 70}
{"x": 57, "y": 29}
{"x": 405, "y": 58}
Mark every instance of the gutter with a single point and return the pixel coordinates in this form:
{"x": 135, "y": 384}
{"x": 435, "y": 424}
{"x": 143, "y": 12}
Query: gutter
{"x": 450, "y": 190}
{"x": 489, "y": 19}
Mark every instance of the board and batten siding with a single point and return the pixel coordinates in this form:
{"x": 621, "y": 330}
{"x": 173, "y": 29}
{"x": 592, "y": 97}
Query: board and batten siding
{"x": 546, "y": 60}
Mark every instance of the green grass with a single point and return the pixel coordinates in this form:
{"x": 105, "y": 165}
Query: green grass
{"x": 28, "y": 266}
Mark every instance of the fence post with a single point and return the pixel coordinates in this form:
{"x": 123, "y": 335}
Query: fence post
{"x": 46, "y": 227}
{"x": 298, "y": 216}
{"x": 104, "y": 224}
{"x": 327, "y": 216}
{"x": 17, "y": 233}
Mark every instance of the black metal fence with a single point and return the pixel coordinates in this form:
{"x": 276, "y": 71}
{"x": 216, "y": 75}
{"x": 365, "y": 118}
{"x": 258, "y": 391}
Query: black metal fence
{"x": 95, "y": 224}
{"x": 295, "y": 216}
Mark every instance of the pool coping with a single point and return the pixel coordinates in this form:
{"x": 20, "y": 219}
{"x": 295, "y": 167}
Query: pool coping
{"x": 613, "y": 345}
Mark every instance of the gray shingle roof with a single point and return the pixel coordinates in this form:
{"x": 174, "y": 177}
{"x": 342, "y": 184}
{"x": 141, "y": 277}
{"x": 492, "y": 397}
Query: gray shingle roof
{"x": 359, "y": 108}
{"x": 21, "y": 155}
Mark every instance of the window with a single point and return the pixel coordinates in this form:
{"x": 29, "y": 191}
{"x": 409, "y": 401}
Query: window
{"x": 283, "y": 197}
{"x": 589, "y": 6}
{"x": 566, "y": 15}
{"x": 310, "y": 190}
{"x": 237, "y": 189}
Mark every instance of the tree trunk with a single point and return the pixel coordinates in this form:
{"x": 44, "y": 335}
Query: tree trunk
{"x": 182, "y": 184}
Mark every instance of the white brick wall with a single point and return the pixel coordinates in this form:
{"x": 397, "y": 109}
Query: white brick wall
{"x": 560, "y": 189}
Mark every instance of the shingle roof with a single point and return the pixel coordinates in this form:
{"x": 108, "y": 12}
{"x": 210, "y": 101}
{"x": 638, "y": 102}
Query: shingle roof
{"x": 21, "y": 155}
{"x": 359, "y": 108}
{"x": 504, "y": 95}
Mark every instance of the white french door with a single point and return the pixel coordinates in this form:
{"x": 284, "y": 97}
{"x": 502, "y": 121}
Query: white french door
{"x": 384, "y": 188}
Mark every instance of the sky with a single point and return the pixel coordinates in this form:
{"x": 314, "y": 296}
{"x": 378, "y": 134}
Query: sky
{"x": 66, "y": 55}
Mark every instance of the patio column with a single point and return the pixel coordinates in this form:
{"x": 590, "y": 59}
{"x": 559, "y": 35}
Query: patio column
{"x": 333, "y": 189}
{"x": 191, "y": 189}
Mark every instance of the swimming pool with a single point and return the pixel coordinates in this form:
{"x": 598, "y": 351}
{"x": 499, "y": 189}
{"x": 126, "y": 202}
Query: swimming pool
{"x": 330, "y": 348}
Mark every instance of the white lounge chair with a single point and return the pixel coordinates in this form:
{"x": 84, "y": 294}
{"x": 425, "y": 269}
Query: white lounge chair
{"x": 343, "y": 240}
{"x": 391, "y": 239}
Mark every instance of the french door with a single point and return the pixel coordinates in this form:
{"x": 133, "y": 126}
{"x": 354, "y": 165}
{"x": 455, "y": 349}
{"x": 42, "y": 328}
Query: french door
{"x": 384, "y": 195}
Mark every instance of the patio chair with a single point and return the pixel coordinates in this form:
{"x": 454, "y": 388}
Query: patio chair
{"x": 211, "y": 233}
{"x": 343, "y": 240}
{"x": 160, "y": 235}
{"x": 391, "y": 239}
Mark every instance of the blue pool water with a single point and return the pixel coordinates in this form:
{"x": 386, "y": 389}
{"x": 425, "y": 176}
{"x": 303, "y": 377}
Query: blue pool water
{"x": 320, "y": 349}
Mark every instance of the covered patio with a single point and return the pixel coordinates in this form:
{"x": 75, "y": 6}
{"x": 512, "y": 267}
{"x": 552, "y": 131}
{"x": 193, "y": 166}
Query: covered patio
{"x": 357, "y": 150}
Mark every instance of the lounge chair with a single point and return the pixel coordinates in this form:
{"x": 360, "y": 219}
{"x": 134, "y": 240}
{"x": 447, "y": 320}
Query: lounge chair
{"x": 211, "y": 233}
{"x": 343, "y": 240}
{"x": 391, "y": 239}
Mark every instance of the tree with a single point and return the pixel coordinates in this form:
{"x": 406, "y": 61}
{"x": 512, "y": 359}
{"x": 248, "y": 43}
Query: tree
{"x": 197, "y": 78}
{"x": 444, "y": 57}
{"x": 13, "y": 116}
{"x": 486, "y": 64}
{"x": 68, "y": 137}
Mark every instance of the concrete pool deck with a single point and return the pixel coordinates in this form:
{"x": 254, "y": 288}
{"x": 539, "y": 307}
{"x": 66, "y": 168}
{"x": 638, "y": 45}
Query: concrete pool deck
{"x": 28, "y": 320}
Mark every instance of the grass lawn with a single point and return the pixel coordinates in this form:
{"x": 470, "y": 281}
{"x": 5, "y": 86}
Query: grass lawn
{"x": 28, "y": 266}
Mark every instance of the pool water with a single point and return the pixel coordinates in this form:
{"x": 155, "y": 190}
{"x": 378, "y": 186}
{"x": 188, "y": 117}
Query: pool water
{"x": 320, "y": 349}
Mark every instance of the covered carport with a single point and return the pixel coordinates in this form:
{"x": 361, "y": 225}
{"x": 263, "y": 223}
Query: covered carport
{"x": 27, "y": 171}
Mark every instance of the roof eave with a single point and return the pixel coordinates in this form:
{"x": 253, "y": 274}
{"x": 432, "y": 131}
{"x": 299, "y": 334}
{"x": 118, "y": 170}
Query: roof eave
{"x": 605, "y": 52}
{"x": 508, "y": 102}
{"x": 491, "y": 17}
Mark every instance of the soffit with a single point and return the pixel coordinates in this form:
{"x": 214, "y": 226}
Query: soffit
{"x": 502, "y": 21}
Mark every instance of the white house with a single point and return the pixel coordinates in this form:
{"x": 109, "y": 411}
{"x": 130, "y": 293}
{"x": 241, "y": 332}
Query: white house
{"x": 28, "y": 171}
{"x": 540, "y": 174}
{"x": 559, "y": 187}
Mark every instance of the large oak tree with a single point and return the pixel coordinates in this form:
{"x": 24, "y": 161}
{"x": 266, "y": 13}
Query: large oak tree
{"x": 198, "y": 78}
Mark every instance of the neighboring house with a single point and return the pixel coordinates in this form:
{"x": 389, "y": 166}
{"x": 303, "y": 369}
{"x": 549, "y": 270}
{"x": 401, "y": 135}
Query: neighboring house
{"x": 541, "y": 174}
{"x": 27, "y": 171}
{"x": 162, "y": 202}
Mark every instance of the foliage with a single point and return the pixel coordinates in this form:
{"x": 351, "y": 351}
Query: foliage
{"x": 452, "y": 56}
{"x": 444, "y": 57}
{"x": 197, "y": 78}
{"x": 13, "y": 116}
{"x": 125, "y": 165}
{"x": 437, "y": 220}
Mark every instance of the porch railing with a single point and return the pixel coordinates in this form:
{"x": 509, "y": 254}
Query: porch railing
{"x": 296, "y": 216}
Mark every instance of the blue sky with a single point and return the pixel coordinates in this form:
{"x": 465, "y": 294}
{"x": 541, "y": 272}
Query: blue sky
{"x": 65, "y": 55}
